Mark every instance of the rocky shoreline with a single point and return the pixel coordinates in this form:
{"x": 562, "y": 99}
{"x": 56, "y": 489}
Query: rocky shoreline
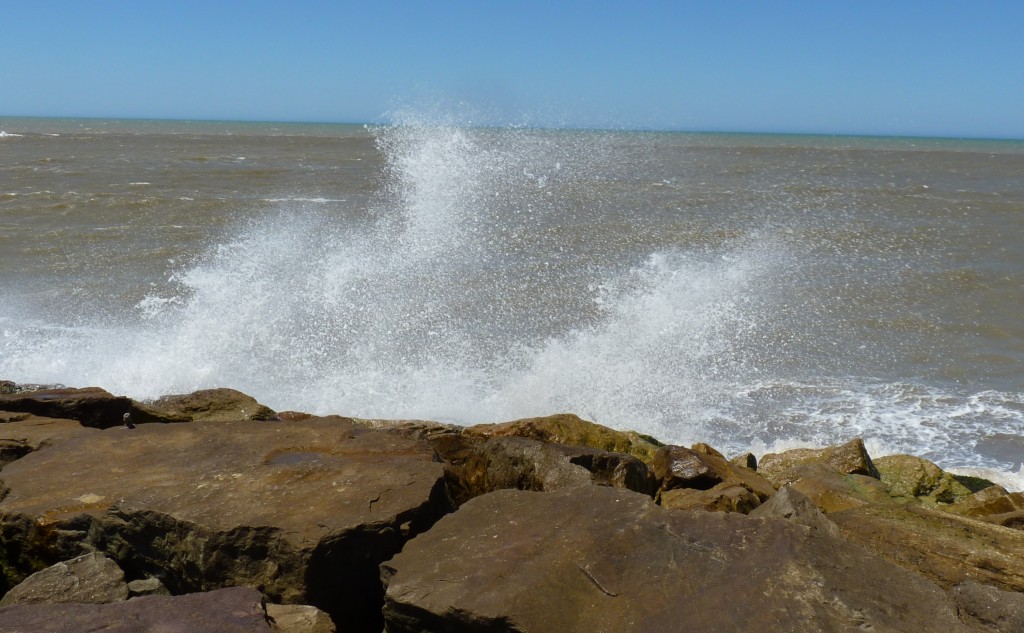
{"x": 215, "y": 513}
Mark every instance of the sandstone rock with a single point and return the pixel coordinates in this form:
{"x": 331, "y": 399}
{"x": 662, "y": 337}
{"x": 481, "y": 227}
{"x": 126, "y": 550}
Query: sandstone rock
{"x": 92, "y": 406}
{"x": 598, "y": 559}
{"x": 849, "y": 459}
{"x": 679, "y": 467}
{"x": 791, "y": 505}
{"x": 90, "y": 578}
{"x": 942, "y": 546}
{"x": 992, "y": 500}
{"x": 213, "y": 405}
{"x": 917, "y": 478}
{"x": 725, "y": 497}
{"x": 746, "y": 460}
{"x": 990, "y": 608}
{"x": 305, "y": 511}
{"x": 569, "y": 429}
{"x": 233, "y": 610}
{"x": 832, "y": 491}
{"x": 299, "y": 618}
{"x": 147, "y": 587}
{"x": 22, "y": 433}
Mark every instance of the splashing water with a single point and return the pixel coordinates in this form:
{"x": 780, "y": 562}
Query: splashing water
{"x": 496, "y": 275}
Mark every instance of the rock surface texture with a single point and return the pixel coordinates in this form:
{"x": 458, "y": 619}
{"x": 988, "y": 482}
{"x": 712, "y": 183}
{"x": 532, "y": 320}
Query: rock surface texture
{"x": 601, "y": 559}
{"x": 90, "y": 578}
{"x": 303, "y": 511}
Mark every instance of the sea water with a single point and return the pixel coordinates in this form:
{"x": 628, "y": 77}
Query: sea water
{"x": 750, "y": 291}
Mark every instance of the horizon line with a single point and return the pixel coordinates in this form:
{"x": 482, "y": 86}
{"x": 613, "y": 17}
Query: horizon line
{"x": 577, "y": 128}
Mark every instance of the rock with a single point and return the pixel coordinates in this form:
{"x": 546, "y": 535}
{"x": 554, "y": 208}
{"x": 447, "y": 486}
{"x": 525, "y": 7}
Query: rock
{"x": 234, "y": 610}
{"x": 304, "y": 510}
{"x": 944, "y": 547}
{"x": 917, "y": 478}
{"x": 147, "y": 587}
{"x": 680, "y": 467}
{"x": 22, "y": 433}
{"x": 849, "y": 459}
{"x": 992, "y": 500}
{"x": 90, "y": 578}
{"x": 993, "y": 609}
{"x": 213, "y": 405}
{"x": 597, "y": 559}
{"x": 725, "y": 497}
{"x": 92, "y": 406}
{"x": 833, "y": 491}
{"x": 299, "y": 618}
{"x": 569, "y": 429}
{"x": 791, "y": 505}
{"x": 746, "y": 460}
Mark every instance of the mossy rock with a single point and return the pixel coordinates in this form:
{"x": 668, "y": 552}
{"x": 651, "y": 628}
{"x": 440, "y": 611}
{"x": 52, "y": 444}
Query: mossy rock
{"x": 908, "y": 476}
{"x": 566, "y": 428}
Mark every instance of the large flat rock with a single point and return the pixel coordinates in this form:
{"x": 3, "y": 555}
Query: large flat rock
{"x": 304, "y": 511}
{"x": 236, "y": 610}
{"x": 597, "y": 559}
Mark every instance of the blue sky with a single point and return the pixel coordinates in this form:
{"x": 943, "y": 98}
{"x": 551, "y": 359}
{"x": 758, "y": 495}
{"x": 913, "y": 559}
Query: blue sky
{"x": 865, "y": 67}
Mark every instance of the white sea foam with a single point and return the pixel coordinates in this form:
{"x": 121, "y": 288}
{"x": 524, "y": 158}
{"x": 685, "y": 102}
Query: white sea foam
{"x": 441, "y": 307}
{"x": 4, "y": 134}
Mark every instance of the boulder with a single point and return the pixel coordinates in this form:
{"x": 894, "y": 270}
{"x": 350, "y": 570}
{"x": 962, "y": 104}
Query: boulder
{"x": 299, "y": 618}
{"x": 725, "y": 497}
{"x": 791, "y": 505}
{"x": 680, "y": 467}
{"x": 304, "y": 510}
{"x": 849, "y": 459}
{"x": 833, "y": 491}
{"x": 917, "y": 478}
{"x": 22, "y": 433}
{"x": 990, "y": 501}
{"x": 92, "y": 406}
{"x": 213, "y": 405}
{"x": 147, "y": 587}
{"x": 597, "y": 559}
{"x": 746, "y": 460}
{"x": 90, "y": 578}
{"x": 566, "y": 428}
{"x": 233, "y": 610}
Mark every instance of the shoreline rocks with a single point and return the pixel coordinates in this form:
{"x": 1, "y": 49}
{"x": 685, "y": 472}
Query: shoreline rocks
{"x": 530, "y": 525}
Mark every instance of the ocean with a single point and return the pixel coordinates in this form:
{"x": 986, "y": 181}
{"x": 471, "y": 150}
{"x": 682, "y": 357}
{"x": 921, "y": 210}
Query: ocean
{"x": 756, "y": 292}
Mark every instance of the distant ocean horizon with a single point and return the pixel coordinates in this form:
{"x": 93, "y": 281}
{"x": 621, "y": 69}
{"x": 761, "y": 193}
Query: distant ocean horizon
{"x": 755, "y": 291}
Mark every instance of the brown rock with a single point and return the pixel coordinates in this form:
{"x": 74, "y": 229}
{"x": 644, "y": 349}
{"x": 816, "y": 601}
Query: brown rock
{"x": 90, "y": 578}
{"x": 832, "y": 491}
{"x": 724, "y": 497}
{"x": 305, "y": 511}
{"x": 234, "y": 610}
{"x": 989, "y": 608}
{"x": 990, "y": 501}
{"x": 92, "y": 406}
{"x": 598, "y": 559}
{"x": 746, "y": 460}
{"x": 569, "y": 429}
{"x": 791, "y": 505}
{"x": 22, "y": 433}
{"x": 213, "y": 405}
{"x": 299, "y": 618}
{"x": 147, "y": 587}
{"x": 679, "y": 467}
{"x": 849, "y": 459}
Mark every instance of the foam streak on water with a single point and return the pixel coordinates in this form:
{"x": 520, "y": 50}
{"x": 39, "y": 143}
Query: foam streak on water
{"x": 498, "y": 274}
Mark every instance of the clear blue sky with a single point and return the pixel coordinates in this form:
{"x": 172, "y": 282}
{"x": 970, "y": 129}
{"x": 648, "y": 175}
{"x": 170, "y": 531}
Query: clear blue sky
{"x": 864, "y": 67}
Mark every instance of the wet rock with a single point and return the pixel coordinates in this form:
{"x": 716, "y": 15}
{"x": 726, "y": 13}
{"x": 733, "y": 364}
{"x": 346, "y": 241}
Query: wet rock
{"x": 569, "y": 429}
{"x": 791, "y": 505}
{"x": 989, "y": 608}
{"x": 22, "y": 433}
{"x": 833, "y": 491}
{"x": 849, "y": 459}
{"x": 90, "y": 578}
{"x": 680, "y": 467}
{"x": 213, "y": 405}
{"x": 299, "y": 618}
{"x": 725, "y": 497}
{"x": 746, "y": 460}
{"x": 990, "y": 501}
{"x": 305, "y": 511}
{"x": 234, "y": 610}
{"x": 600, "y": 559}
{"x": 917, "y": 478}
